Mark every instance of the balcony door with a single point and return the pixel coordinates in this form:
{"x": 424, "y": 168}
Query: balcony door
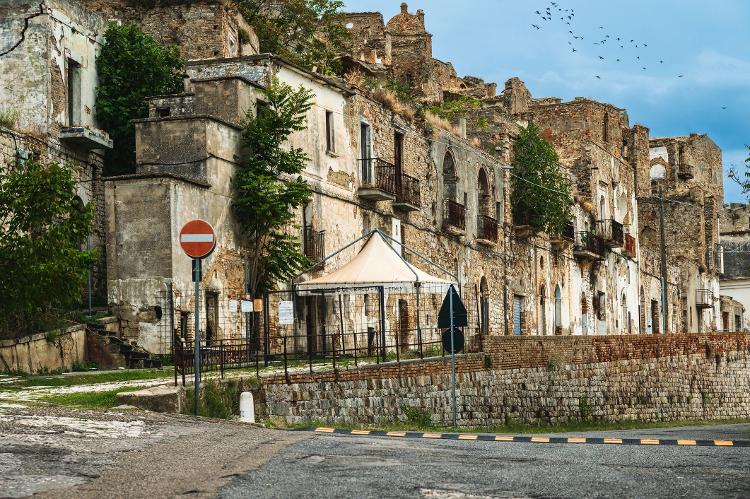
{"x": 365, "y": 144}
{"x": 398, "y": 158}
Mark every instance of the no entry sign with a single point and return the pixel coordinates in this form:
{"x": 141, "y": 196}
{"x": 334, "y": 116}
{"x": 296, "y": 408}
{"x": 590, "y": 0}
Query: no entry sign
{"x": 197, "y": 239}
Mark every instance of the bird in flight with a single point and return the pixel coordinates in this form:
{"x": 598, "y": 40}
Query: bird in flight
{"x": 602, "y": 58}
{"x": 680, "y": 76}
{"x": 535, "y": 26}
{"x": 598, "y": 77}
{"x": 723, "y": 107}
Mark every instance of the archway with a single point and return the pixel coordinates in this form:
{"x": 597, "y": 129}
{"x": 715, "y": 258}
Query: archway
{"x": 450, "y": 178}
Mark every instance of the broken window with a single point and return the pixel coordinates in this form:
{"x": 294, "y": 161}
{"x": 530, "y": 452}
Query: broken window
{"x": 330, "y": 141}
{"x": 74, "y": 93}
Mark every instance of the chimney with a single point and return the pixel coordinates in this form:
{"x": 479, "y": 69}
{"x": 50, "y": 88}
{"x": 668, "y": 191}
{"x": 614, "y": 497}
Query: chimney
{"x": 404, "y": 8}
{"x": 420, "y": 16}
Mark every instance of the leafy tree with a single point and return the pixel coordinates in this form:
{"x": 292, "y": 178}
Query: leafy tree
{"x": 268, "y": 187}
{"x": 541, "y": 193}
{"x": 310, "y": 33}
{"x": 131, "y": 67}
{"x": 42, "y": 230}
{"x": 744, "y": 180}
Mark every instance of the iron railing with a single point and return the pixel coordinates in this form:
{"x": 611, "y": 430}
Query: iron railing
{"x": 704, "y": 298}
{"x": 591, "y": 243}
{"x": 486, "y": 228}
{"x": 454, "y": 214}
{"x": 407, "y": 190}
{"x": 378, "y": 174}
{"x": 612, "y": 231}
{"x": 314, "y": 244}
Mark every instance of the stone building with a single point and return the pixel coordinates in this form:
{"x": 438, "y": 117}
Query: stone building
{"x": 48, "y": 80}
{"x": 734, "y": 233}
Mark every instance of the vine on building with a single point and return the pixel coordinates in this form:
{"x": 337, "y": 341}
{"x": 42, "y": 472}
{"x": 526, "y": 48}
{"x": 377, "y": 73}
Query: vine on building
{"x": 541, "y": 195}
{"x": 131, "y": 67}
{"x": 269, "y": 188}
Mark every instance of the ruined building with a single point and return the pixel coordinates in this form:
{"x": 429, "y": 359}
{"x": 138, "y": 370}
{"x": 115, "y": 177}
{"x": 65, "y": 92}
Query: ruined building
{"x": 734, "y": 233}
{"x": 440, "y": 189}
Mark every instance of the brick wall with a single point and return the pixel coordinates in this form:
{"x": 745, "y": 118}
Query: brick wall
{"x": 554, "y": 379}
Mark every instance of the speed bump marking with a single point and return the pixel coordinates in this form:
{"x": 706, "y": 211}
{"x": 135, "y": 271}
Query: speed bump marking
{"x": 531, "y": 439}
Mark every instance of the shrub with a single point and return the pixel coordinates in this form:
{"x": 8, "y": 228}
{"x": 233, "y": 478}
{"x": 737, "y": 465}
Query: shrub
{"x": 417, "y": 418}
{"x": 8, "y": 118}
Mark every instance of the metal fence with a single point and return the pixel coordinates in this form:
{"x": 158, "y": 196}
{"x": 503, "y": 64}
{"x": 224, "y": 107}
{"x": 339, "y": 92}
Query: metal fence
{"x": 300, "y": 331}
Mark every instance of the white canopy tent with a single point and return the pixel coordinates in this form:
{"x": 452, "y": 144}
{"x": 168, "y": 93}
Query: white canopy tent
{"x": 378, "y": 264}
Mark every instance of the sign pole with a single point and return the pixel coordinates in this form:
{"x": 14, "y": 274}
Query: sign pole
{"x": 453, "y": 360}
{"x": 197, "y": 271}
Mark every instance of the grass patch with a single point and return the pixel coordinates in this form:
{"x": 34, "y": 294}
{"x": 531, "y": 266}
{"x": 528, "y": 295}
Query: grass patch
{"x": 90, "y": 400}
{"x": 219, "y": 399}
{"x": 89, "y": 379}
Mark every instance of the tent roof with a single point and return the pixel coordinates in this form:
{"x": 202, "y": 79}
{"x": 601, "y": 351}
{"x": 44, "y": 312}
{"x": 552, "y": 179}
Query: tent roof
{"x": 377, "y": 264}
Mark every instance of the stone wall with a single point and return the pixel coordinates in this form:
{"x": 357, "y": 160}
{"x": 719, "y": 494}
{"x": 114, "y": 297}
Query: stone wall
{"x": 44, "y": 352}
{"x": 538, "y": 380}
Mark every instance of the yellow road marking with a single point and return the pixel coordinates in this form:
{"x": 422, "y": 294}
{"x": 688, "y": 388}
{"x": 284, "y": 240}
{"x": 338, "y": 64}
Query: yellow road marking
{"x": 468, "y": 437}
{"x": 686, "y": 442}
{"x": 612, "y": 440}
{"x": 576, "y": 440}
{"x": 723, "y": 443}
{"x": 502, "y": 438}
{"x": 324, "y": 430}
{"x": 540, "y": 440}
{"x": 649, "y": 441}
{"x": 360, "y": 432}
{"x": 396, "y": 433}
{"x": 432, "y": 435}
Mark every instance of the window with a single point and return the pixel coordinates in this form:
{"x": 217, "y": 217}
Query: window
{"x": 484, "y": 306}
{"x": 163, "y": 112}
{"x": 450, "y": 179}
{"x": 625, "y": 320}
{"x": 396, "y": 235}
{"x": 212, "y": 317}
{"x": 654, "y": 317}
{"x": 74, "y": 93}
{"x": 558, "y": 307}
{"x": 737, "y": 322}
{"x": 330, "y": 138}
{"x": 584, "y": 315}
{"x": 517, "y": 315}
{"x": 543, "y": 311}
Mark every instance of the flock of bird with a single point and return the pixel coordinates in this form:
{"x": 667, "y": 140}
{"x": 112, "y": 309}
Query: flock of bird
{"x": 624, "y": 46}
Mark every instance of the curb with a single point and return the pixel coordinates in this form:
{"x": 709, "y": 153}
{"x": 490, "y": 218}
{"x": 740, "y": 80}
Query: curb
{"x": 483, "y": 437}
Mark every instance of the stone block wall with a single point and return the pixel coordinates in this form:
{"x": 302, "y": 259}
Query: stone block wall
{"x": 44, "y": 352}
{"x": 538, "y": 380}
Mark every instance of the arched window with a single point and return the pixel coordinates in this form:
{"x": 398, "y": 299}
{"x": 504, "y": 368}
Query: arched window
{"x": 624, "y": 316}
{"x": 558, "y": 307}
{"x": 450, "y": 179}
{"x": 484, "y": 304}
{"x": 484, "y": 202}
{"x": 542, "y": 311}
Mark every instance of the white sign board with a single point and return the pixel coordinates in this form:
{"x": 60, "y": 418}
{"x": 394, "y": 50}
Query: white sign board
{"x": 247, "y": 306}
{"x": 286, "y": 312}
{"x": 232, "y": 306}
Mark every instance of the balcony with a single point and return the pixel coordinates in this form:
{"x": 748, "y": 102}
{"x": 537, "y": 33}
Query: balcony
{"x": 560, "y": 241}
{"x": 86, "y": 138}
{"x": 612, "y": 232}
{"x": 522, "y": 225}
{"x": 629, "y": 249}
{"x": 589, "y": 247}
{"x": 314, "y": 244}
{"x": 454, "y": 218}
{"x": 486, "y": 230}
{"x": 686, "y": 172}
{"x": 378, "y": 180}
{"x": 407, "y": 194}
{"x": 704, "y": 298}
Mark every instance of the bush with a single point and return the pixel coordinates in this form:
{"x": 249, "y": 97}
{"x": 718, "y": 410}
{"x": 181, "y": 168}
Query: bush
{"x": 8, "y": 118}
{"x": 417, "y": 418}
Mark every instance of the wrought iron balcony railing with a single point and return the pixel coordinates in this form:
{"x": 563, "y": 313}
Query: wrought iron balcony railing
{"x": 314, "y": 244}
{"x": 378, "y": 175}
{"x": 407, "y": 192}
{"x": 454, "y": 215}
{"x": 611, "y": 231}
{"x": 486, "y": 228}
{"x": 589, "y": 245}
{"x": 704, "y": 298}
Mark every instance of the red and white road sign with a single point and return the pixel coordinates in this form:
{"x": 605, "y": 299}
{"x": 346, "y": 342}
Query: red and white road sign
{"x": 197, "y": 239}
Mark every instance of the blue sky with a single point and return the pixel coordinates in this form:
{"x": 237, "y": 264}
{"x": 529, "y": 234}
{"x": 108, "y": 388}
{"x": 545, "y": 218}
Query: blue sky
{"x": 706, "y": 42}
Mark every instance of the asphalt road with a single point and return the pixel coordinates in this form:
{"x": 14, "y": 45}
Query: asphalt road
{"x": 363, "y": 467}
{"x": 61, "y": 452}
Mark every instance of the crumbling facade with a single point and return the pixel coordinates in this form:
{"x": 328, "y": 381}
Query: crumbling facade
{"x": 734, "y": 233}
{"x": 442, "y": 189}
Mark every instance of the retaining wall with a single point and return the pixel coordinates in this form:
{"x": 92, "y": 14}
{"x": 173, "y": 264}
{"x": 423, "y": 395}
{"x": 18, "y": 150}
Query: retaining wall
{"x": 44, "y": 352}
{"x": 539, "y": 379}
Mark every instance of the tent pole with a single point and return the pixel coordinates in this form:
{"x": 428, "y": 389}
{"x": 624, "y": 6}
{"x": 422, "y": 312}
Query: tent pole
{"x": 419, "y": 326}
{"x": 382, "y": 320}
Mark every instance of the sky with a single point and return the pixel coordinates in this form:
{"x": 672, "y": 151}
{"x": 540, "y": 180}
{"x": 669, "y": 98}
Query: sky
{"x": 707, "y": 42}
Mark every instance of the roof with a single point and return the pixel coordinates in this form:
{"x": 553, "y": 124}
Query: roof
{"x": 377, "y": 264}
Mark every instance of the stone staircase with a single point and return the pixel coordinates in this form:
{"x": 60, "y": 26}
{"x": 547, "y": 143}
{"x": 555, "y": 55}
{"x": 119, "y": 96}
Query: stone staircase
{"x": 109, "y": 351}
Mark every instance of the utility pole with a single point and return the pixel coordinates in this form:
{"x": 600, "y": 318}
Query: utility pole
{"x": 663, "y": 263}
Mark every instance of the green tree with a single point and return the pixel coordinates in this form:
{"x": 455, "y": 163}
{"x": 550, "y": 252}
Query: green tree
{"x": 42, "y": 230}
{"x": 268, "y": 187}
{"x": 742, "y": 179}
{"x": 310, "y": 33}
{"x": 131, "y": 67}
{"x": 541, "y": 193}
